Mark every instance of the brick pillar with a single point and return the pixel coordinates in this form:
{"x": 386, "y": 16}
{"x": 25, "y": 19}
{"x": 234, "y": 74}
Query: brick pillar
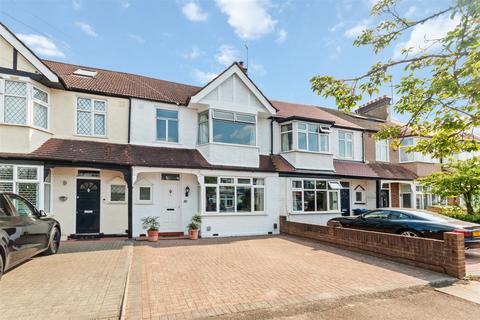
{"x": 454, "y": 252}
{"x": 395, "y": 194}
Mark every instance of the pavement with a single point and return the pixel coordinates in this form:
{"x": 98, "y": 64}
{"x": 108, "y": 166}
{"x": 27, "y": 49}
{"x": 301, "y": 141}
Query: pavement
{"x": 220, "y": 278}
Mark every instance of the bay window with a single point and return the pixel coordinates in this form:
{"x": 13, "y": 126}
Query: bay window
{"x": 234, "y": 128}
{"x": 404, "y": 155}
{"x": 23, "y": 180}
{"x": 234, "y": 195}
{"x": 91, "y": 117}
{"x": 18, "y": 97}
{"x": 382, "y": 150}
{"x": 313, "y": 137}
{"x": 167, "y": 125}
{"x": 311, "y": 195}
{"x": 203, "y": 127}
{"x": 345, "y": 145}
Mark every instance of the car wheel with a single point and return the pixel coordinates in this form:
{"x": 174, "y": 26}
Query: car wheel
{"x": 54, "y": 242}
{"x": 410, "y": 233}
{"x": 1, "y": 266}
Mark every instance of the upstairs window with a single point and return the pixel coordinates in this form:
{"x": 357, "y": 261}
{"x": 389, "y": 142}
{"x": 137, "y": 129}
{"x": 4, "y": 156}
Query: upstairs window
{"x": 167, "y": 125}
{"x": 91, "y": 117}
{"x": 40, "y": 108}
{"x": 381, "y": 151}
{"x": 286, "y": 136}
{"x": 312, "y": 137}
{"x": 234, "y": 128}
{"x": 203, "y": 127}
{"x": 345, "y": 145}
{"x": 15, "y": 102}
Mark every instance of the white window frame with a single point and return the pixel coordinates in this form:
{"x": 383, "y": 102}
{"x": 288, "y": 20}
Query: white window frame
{"x": 362, "y": 191}
{"x": 345, "y": 141}
{"x": 414, "y": 156}
{"x": 379, "y": 145}
{"x": 137, "y": 194}
{"x": 167, "y": 120}
{"x": 16, "y": 181}
{"x": 302, "y": 189}
{"x": 43, "y": 104}
{"x": 235, "y": 184}
{"x": 235, "y": 119}
{"x": 322, "y": 131}
{"x": 207, "y": 113}
{"x": 110, "y": 193}
{"x": 288, "y": 131}
{"x": 92, "y": 112}
{"x": 29, "y": 102}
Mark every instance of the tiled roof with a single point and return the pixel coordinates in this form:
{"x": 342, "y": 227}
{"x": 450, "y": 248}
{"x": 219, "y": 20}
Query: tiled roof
{"x": 289, "y": 109}
{"x": 123, "y": 84}
{"x": 354, "y": 169}
{"x": 361, "y": 121}
{"x": 129, "y": 155}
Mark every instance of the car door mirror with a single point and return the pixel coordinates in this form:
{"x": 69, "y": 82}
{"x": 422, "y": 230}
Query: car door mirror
{"x": 361, "y": 217}
{"x": 41, "y": 214}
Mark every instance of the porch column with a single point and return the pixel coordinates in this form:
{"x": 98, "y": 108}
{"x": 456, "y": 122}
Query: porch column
{"x": 127, "y": 176}
{"x": 378, "y": 185}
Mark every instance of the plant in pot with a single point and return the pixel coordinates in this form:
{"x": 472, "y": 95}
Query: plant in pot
{"x": 151, "y": 224}
{"x": 194, "y": 227}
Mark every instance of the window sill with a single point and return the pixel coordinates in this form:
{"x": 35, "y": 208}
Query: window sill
{"x": 90, "y": 136}
{"x": 233, "y": 214}
{"x": 306, "y": 151}
{"x": 298, "y": 213}
{"x": 117, "y": 202}
{"x": 230, "y": 145}
{"x": 166, "y": 142}
{"x": 26, "y": 126}
{"x": 142, "y": 203}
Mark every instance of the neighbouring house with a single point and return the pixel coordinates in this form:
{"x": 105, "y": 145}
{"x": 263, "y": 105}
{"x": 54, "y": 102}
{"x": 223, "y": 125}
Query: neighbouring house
{"x": 101, "y": 149}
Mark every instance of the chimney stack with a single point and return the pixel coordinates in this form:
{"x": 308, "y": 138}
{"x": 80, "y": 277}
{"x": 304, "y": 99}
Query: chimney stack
{"x": 241, "y": 64}
{"x": 378, "y": 108}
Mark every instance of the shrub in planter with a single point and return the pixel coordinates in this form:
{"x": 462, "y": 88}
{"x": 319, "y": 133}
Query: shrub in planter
{"x": 151, "y": 224}
{"x": 194, "y": 227}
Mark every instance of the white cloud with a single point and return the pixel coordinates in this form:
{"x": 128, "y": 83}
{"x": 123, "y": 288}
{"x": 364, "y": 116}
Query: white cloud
{"x": 422, "y": 35}
{"x": 137, "y": 38}
{"x": 41, "y": 45}
{"x": 356, "y": 30}
{"x": 76, "y": 4}
{"x": 193, "y": 12}
{"x": 411, "y": 11}
{"x": 226, "y": 55}
{"x": 203, "y": 76}
{"x": 125, "y": 3}
{"x": 193, "y": 54}
{"x": 257, "y": 69}
{"x": 249, "y": 18}
{"x": 88, "y": 29}
{"x": 337, "y": 26}
{"x": 281, "y": 36}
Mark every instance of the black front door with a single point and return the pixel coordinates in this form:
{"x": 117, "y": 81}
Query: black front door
{"x": 345, "y": 199}
{"x": 88, "y": 206}
{"x": 384, "y": 198}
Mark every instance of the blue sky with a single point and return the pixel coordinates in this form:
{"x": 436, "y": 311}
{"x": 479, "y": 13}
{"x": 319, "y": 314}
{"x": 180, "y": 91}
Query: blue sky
{"x": 191, "y": 41}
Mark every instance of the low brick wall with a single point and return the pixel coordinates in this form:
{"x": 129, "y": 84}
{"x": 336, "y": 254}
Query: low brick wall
{"x": 447, "y": 256}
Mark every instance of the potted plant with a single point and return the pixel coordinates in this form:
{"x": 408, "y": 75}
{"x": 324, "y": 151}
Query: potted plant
{"x": 194, "y": 227}
{"x": 151, "y": 224}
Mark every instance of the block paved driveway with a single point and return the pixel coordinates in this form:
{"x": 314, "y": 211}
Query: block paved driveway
{"x": 183, "y": 279}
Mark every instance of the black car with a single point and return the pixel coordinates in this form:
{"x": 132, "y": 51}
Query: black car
{"x": 24, "y": 231}
{"x": 411, "y": 223}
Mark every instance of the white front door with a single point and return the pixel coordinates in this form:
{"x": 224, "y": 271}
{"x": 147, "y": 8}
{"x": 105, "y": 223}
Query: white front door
{"x": 170, "y": 214}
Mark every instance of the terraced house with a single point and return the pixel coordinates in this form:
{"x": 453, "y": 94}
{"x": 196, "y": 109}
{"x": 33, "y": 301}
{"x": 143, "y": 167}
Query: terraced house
{"x": 101, "y": 149}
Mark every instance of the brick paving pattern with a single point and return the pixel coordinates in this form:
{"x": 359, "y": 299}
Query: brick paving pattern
{"x": 183, "y": 279}
{"x": 85, "y": 280}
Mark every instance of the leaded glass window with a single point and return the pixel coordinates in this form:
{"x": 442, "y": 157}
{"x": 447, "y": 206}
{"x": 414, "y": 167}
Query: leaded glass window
{"x": 91, "y": 117}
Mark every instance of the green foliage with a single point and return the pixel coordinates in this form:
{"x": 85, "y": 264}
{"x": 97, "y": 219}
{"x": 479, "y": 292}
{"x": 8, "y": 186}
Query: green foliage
{"x": 461, "y": 178}
{"x": 195, "y": 222}
{"x": 460, "y": 214}
{"x": 439, "y": 90}
{"x": 150, "y": 223}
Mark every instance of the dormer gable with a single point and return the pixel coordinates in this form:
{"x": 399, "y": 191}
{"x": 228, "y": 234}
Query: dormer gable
{"x": 233, "y": 87}
{"x": 22, "y": 60}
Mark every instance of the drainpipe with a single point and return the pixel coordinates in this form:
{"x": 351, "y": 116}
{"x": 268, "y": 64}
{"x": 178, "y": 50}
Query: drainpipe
{"x": 363, "y": 146}
{"x": 129, "y": 118}
{"x": 271, "y": 136}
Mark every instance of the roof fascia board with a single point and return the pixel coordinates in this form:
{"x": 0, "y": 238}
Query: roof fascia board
{"x": 11, "y": 38}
